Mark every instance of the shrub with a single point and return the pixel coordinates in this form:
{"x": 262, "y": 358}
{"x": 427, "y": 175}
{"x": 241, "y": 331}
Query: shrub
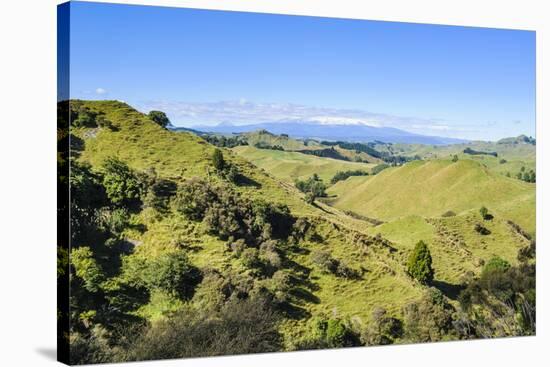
{"x": 87, "y": 268}
{"x": 193, "y": 198}
{"x": 382, "y": 329}
{"x": 455, "y": 158}
{"x": 324, "y": 261}
{"x": 484, "y": 212}
{"x": 171, "y": 272}
{"x": 239, "y": 327}
{"x": 429, "y": 319}
{"x": 120, "y": 182}
{"x": 419, "y": 265}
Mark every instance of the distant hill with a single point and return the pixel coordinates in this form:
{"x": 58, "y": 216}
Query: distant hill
{"x": 522, "y": 139}
{"x": 430, "y": 188}
{"x": 359, "y": 133}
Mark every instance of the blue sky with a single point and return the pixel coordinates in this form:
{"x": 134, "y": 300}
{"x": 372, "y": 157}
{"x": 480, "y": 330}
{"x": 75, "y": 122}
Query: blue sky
{"x": 206, "y": 67}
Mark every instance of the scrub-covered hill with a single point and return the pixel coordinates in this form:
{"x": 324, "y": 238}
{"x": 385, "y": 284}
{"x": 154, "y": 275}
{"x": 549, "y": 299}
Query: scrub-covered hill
{"x": 183, "y": 249}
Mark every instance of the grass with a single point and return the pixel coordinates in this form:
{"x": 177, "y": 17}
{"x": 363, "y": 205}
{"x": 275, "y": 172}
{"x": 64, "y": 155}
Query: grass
{"x": 410, "y": 199}
{"x": 289, "y": 166}
{"x": 430, "y": 188}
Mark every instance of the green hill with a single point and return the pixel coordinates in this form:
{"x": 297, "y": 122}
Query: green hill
{"x": 289, "y": 166}
{"x": 430, "y": 188}
{"x": 179, "y": 156}
{"x": 164, "y": 234}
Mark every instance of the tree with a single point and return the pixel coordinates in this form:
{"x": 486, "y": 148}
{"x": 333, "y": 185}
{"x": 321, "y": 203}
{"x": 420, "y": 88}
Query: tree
{"x": 159, "y": 118}
{"x": 419, "y": 265}
{"x": 120, "y": 182}
{"x": 218, "y": 160}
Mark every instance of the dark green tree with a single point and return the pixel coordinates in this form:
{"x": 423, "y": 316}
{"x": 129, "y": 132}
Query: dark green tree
{"x": 159, "y": 118}
{"x": 218, "y": 160}
{"x": 419, "y": 265}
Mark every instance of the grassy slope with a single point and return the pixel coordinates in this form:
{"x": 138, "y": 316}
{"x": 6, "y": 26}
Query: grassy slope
{"x": 285, "y": 142}
{"x": 289, "y": 166}
{"x": 430, "y": 188}
{"x": 142, "y": 144}
{"x": 516, "y": 155}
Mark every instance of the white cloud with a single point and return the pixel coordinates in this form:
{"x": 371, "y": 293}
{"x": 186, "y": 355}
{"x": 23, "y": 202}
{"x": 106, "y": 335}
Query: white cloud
{"x": 243, "y": 112}
{"x": 100, "y": 91}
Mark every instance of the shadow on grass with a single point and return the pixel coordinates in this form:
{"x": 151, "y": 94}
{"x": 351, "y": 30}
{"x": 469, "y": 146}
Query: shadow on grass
{"x": 450, "y": 290}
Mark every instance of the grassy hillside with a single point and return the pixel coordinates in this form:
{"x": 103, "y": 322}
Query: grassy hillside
{"x": 289, "y": 166}
{"x": 264, "y": 137}
{"x": 143, "y": 145}
{"x": 168, "y": 239}
{"x": 430, "y": 188}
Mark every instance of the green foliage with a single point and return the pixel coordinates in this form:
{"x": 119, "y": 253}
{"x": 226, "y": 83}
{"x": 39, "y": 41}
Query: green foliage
{"x": 217, "y": 160}
{"x": 120, "y": 182}
{"x": 324, "y": 260}
{"x": 312, "y": 187}
{"x": 113, "y": 220}
{"x": 227, "y": 214}
{"x": 429, "y": 319}
{"x": 382, "y": 329}
{"x": 159, "y": 118}
{"x": 379, "y": 168}
{"x": 343, "y": 175}
{"x": 193, "y": 198}
{"x": 455, "y": 158}
{"x": 239, "y": 327}
{"x": 502, "y": 301}
{"x": 484, "y": 212}
{"x": 494, "y": 265}
{"x": 419, "y": 265}
{"x": 87, "y": 268}
{"x": 170, "y": 272}
{"x": 159, "y": 193}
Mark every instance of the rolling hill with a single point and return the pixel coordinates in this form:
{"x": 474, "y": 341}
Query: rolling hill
{"x": 289, "y": 166}
{"x": 430, "y": 188}
{"x": 332, "y": 265}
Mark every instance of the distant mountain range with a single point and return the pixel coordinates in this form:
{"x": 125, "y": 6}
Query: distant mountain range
{"x": 333, "y": 131}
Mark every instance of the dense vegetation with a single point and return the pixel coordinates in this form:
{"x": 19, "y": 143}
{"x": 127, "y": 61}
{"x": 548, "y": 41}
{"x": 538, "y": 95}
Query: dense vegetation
{"x": 182, "y": 248}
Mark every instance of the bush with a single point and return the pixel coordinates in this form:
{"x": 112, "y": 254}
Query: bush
{"x": 419, "y": 265}
{"x": 484, "y": 212}
{"x": 239, "y": 327}
{"x": 382, "y": 329}
{"x": 120, "y": 182}
{"x": 170, "y": 272}
{"x": 227, "y": 214}
{"x": 324, "y": 261}
{"x": 428, "y": 320}
{"x": 87, "y": 268}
